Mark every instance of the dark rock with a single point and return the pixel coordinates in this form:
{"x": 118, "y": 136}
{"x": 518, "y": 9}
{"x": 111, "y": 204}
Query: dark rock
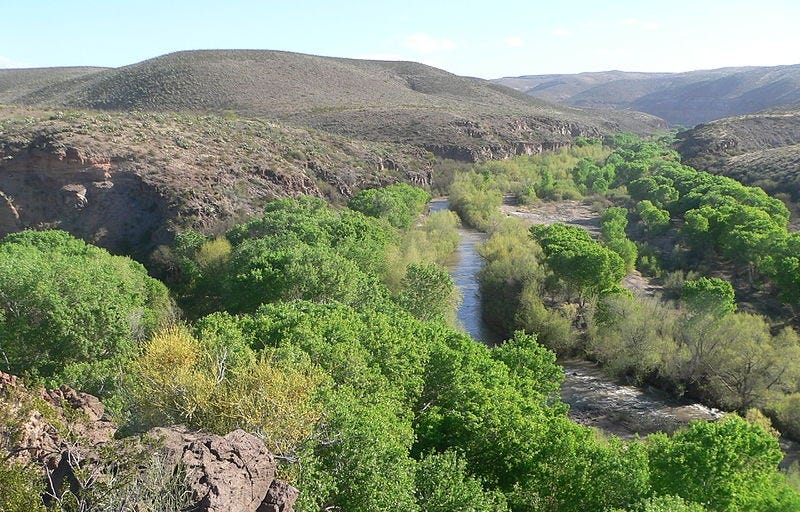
{"x": 280, "y": 498}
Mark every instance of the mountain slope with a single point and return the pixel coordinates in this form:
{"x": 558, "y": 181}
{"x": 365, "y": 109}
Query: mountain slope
{"x": 405, "y": 102}
{"x": 761, "y": 149}
{"x": 681, "y": 98}
{"x": 126, "y": 157}
{"x": 19, "y": 83}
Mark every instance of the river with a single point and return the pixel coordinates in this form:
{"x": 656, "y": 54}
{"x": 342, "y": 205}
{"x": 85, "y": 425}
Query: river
{"x": 595, "y": 399}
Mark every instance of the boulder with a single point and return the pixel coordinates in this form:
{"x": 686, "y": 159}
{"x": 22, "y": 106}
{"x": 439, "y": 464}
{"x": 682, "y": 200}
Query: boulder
{"x": 280, "y": 497}
{"x": 231, "y": 473}
{"x": 47, "y": 423}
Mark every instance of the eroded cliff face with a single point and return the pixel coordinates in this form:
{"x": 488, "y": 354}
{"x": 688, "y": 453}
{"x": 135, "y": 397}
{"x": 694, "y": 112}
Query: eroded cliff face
{"x": 128, "y": 182}
{"x": 497, "y": 138}
{"x": 103, "y": 201}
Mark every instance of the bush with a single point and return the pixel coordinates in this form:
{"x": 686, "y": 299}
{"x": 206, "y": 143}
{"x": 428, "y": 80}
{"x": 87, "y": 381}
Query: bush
{"x": 428, "y": 292}
{"x": 443, "y": 485}
{"x": 476, "y": 199}
{"x": 710, "y": 295}
{"x": 399, "y": 204}
{"x": 180, "y": 379}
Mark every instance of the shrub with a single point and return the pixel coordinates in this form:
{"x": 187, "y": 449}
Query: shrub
{"x": 21, "y": 489}
{"x": 180, "y": 379}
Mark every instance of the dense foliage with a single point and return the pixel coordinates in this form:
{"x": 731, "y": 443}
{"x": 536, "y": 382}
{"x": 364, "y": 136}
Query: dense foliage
{"x": 303, "y": 249}
{"x": 71, "y": 312}
{"x": 700, "y": 345}
{"x": 578, "y": 260}
{"x": 399, "y": 204}
{"x": 348, "y": 370}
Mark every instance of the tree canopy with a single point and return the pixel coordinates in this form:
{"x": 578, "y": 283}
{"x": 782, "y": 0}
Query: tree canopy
{"x": 71, "y": 312}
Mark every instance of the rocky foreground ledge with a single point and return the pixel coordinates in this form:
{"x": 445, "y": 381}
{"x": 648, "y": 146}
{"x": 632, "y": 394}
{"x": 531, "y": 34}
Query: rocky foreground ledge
{"x": 64, "y": 433}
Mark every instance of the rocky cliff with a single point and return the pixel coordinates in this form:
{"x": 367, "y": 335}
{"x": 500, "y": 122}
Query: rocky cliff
{"x": 761, "y": 149}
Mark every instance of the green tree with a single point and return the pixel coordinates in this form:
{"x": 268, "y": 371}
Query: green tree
{"x": 655, "y": 219}
{"x": 399, "y": 204}
{"x": 666, "y": 503}
{"x": 727, "y": 465}
{"x": 444, "y": 485}
{"x": 428, "y": 292}
{"x": 365, "y": 449}
{"x": 578, "y": 260}
{"x": 709, "y": 295}
{"x": 783, "y": 265}
{"x": 70, "y": 312}
{"x": 613, "y": 222}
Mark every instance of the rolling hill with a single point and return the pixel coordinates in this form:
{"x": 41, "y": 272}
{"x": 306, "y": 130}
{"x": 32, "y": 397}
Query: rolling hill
{"x": 16, "y": 84}
{"x": 126, "y": 157}
{"x": 681, "y": 98}
{"x": 405, "y": 102}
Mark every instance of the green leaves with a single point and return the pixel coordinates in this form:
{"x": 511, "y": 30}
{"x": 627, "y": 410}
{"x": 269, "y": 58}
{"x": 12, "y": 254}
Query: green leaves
{"x": 21, "y": 487}
{"x": 579, "y": 260}
{"x": 709, "y": 295}
{"x": 728, "y": 465}
{"x": 72, "y": 313}
{"x": 445, "y": 485}
{"x": 428, "y": 292}
{"x": 399, "y": 204}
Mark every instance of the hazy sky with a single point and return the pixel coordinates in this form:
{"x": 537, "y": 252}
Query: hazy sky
{"x": 484, "y": 38}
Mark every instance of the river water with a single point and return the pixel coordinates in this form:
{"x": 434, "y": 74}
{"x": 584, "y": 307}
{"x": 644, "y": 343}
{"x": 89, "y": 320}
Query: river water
{"x": 463, "y": 266}
{"x": 595, "y": 399}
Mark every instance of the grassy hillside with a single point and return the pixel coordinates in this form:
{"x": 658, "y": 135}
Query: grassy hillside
{"x": 681, "y": 98}
{"x": 19, "y": 83}
{"x": 405, "y": 102}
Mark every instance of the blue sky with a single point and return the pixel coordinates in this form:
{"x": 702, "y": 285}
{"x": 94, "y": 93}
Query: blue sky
{"x": 485, "y": 38}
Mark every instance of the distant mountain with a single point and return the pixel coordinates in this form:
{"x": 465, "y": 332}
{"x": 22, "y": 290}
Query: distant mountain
{"x": 761, "y": 149}
{"x": 406, "y": 102}
{"x": 683, "y": 99}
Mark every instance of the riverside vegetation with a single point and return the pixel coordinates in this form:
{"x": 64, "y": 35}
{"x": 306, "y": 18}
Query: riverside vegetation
{"x": 694, "y": 232}
{"x": 325, "y": 332}
{"x": 565, "y": 286}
